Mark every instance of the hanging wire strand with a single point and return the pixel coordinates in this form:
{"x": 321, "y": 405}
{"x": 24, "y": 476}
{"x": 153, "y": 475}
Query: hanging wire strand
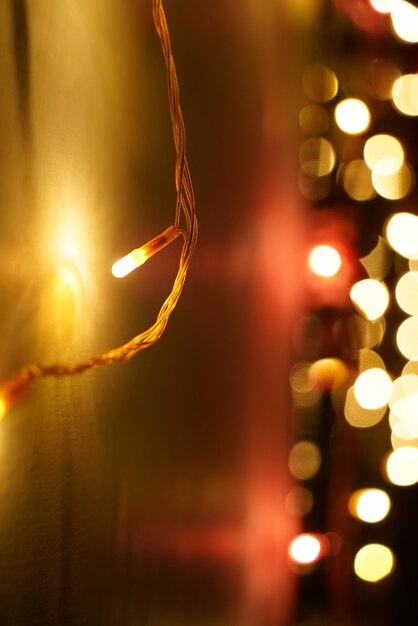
{"x": 185, "y": 224}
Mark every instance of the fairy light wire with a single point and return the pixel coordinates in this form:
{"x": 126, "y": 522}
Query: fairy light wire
{"x": 185, "y": 212}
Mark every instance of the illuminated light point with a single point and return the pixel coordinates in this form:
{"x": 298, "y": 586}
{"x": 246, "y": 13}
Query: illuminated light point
{"x": 137, "y": 257}
{"x": 373, "y": 388}
{"x": 352, "y": 116}
{"x": 373, "y": 562}
{"x": 371, "y": 297}
{"x": 384, "y": 154}
{"x": 402, "y": 234}
{"x": 324, "y": 261}
{"x": 402, "y": 466}
{"x": 305, "y": 549}
{"x": 382, "y": 6}
{"x": 304, "y": 460}
{"x": 407, "y": 338}
{"x": 404, "y": 17}
{"x": 369, "y": 505}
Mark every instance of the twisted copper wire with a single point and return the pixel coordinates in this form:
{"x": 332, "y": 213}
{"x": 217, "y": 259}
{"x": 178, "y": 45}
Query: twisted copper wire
{"x": 185, "y": 212}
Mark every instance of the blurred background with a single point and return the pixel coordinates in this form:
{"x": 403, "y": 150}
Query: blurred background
{"x": 258, "y": 466}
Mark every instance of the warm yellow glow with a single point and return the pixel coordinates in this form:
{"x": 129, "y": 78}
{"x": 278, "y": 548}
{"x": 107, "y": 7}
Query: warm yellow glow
{"x": 325, "y": 373}
{"x": 3, "y": 408}
{"x": 373, "y": 388}
{"x": 384, "y": 154}
{"x": 411, "y": 367}
{"x": 379, "y": 260}
{"x": 358, "y": 416}
{"x": 313, "y": 119}
{"x": 304, "y": 460}
{"x": 324, "y": 261}
{"x": 352, "y": 116}
{"x": 407, "y": 338}
{"x": 371, "y": 297}
{"x": 317, "y": 157}
{"x": 357, "y": 180}
{"x": 382, "y": 6}
{"x": 404, "y": 417}
{"x": 399, "y": 442}
{"x": 319, "y": 82}
{"x": 373, "y": 562}
{"x": 305, "y": 549}
{"x": 128, "y": 263}
{"x": 369, "y": 505}
{"x": 404, "y": 386}
{"x": 402, "y": 234}
{"x": 299, "y": 502}
{"x": 406, "y": 293}
{"x": 402, "y": 466}
{"x": 405, "y": 21}
{"x": 394, "y": 186}
{"x": 405, "y": 94}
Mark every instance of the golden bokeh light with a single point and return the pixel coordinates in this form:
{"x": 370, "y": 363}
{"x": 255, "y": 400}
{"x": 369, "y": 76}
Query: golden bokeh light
{"x": 299, "y": 377}
{"x": 379, "y": 260}
{"x": 352, "y": 116}
{"x": 3, "y": 408}
{"x": 382, "y": 6}
{"x": 403, "y": 417}
{"x": 373, "y": 388}
{"x": 369, "y": 505}
{"x": 398, "y": 442}
{"x": 317, "y": 157}
{"x": 405, "y": 21}
{"x": 359, "y": 417}
{"x": 405, "y": 94}
{"x": 406, "y": 293}
{"x": 299, "y": 501}
{"x": 394, "y": 186}
{"x": 357, "y": 181}
{"x": 402, "y": 466}
{"x": 304, "y": 460}
{"x": 368, "y": 359}
{"x": 371, "y": 298}
{"x": 370, "y": 334}
{"x": 407, "y": 338}
{"x": 403, "y": 386}
{"x": 305, "y": 549}
{"x": 325, "y": 373}
{"x": 384, "y": 154}
{"x": 402, "y": 234}
{"x": 373, "y": 562}
{"x": 410, "y": 367}
{"x": 324, "y": 261}
{"x": 319, "y": 82}
{"x": 382, "y": 74}
{"x": 313, "y": 119}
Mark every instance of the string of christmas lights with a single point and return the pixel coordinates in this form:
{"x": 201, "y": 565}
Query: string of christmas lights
{"x": 185, "y": 224}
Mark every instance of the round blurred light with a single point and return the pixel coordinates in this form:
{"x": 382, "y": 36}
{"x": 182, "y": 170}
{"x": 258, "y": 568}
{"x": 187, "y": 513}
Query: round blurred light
{"x": 404, "y": 417}
{"x": 319, "y": 82}
{"x": 373, "y": 562}
{"x": 317, "y": 157}
{"x": 399, "y": 442}
{"x": 315, "y": 188}
{"x": 304, "y": 460}
{"x": 382, "y": 75}
{"x": 405, "y": 385}
{"x": 299, "y": 502}
{"x": 325, "y": 373}
{"x": 352, "y": 116}
{"x": 358, "y": 181}
{"x": 394, "y": 186}
{"x": 382, "y": 6}
{"x": 383, "y": 154}
{"x": 402, "y": 234}
{"x": 369, "y": 505}
{"x": 407, "y": 293}
{"x": 358, "y": 416}
{"x": 405, "y": 94}
{"x": 405, "y": 21}
{"x": 324, "y": 261}
{"x": 402, "y": 466}
{"x": 407, "y": 338}
{"x": 371, "y": 297}
{"x": 373, "y": 388}
{"x": 313, "y": 119}
{"x": 305, "y": 549}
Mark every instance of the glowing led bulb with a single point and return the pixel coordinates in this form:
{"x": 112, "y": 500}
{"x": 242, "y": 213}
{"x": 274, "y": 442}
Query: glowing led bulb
{"x": 324, "y": 261}
{"x": 373, "y": 388}
{"x": 352, "y": 116}
{"x": 305, "y": 549}
{"x": 373, "y": 562}
{"x": 137, "y": 257}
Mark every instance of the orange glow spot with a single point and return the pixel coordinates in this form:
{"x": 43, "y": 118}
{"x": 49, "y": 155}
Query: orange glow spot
{"x": 325, "y": 373}
{"x": 3, "y": 408}
{"x": 324, "y": 261}
{"x": 305, "y": 549}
